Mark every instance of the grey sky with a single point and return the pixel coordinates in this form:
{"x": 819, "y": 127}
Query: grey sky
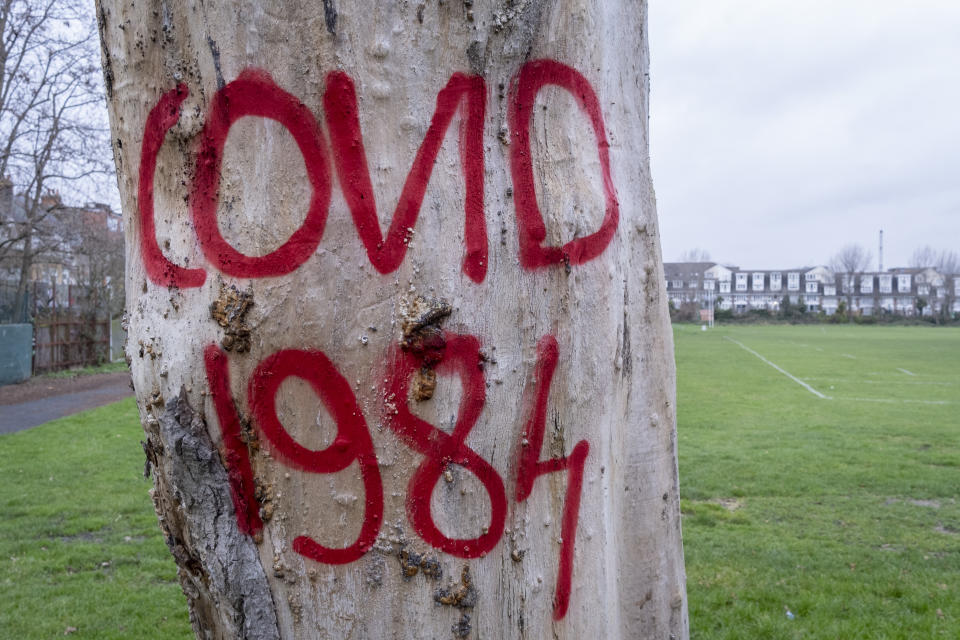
{"x": 782, "y": 130}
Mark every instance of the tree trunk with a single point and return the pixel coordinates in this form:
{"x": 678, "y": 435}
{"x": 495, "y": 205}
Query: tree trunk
{"x": 362, "y": 424}
{"x": 20, "y": 310}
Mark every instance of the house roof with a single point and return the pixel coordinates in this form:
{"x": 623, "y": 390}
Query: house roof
{"x": 685, "y": 270}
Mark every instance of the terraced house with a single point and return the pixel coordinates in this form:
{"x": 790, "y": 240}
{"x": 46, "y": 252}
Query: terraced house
{"x": 915, "y": 291}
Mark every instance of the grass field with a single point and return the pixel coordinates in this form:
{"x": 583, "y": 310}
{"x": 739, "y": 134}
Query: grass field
{"x": 841, "y": 509}
{"x": 80, "y": 550}
{"x": 106, "y": 367}
{"x": 836, "y": 500}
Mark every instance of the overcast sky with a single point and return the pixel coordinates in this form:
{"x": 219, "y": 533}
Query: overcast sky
{"x": 783, "y": 130}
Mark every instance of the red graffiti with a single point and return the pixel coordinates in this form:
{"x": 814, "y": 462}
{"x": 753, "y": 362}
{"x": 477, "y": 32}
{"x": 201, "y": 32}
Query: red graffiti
{"x": 254, "y": 93}
{"x": 530, "y": 467}
{"x": 236, "y": 456}
{"x": 386, "y": 254}
{"x": 160, "y": 120}
{"x": 460, "y": 356}
{"x": 352, "y": 442}
{"x": 524, "y": 87}
{"x": 447, "y": 354}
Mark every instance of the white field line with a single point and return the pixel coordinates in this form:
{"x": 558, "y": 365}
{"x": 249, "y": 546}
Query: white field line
{"x": 909, "y": 373}
{"x": 847, "y": 355}
{"x": 781, "y": 370}
{"x": 893, "y": 400}
{"x": 889, "y": 382}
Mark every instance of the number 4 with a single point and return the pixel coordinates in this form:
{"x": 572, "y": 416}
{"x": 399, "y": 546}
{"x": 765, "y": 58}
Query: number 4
{"x": 531, "y": 467}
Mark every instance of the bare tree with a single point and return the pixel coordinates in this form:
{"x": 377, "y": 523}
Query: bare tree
{"x": 396, "y": 324}
{"x": 695, "y": 255}
{"x": 52, "y": 134}
{"x": 852, "y": 258}
{"x": 97, "y": 253}
{"x": 848, "y": 263}
{"x": 948, "y": 266}
{"x": 925, "y": 256}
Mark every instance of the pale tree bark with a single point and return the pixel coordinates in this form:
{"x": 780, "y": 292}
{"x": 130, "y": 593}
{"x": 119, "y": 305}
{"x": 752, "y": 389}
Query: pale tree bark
{"x": 457, "y": 425}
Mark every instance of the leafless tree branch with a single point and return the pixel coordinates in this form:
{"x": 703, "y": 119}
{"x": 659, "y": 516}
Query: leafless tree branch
{"x": 51, "y": 136}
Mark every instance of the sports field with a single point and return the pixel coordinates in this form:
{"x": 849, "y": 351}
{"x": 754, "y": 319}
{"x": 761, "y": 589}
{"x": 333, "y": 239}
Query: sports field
{"x": 826, "y": 487}
{"x": 820, "y": 471}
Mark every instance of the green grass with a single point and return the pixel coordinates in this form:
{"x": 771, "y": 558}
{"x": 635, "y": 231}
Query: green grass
{"x": 843, "y": 510}
{"x": 107, "y": 367}
{"x": 79, "y": 542}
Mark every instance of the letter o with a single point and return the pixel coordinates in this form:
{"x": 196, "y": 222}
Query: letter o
{"x": 254, "y": 93}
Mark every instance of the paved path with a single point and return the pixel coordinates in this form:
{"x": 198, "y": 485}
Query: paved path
{"x": 97, "y": 390}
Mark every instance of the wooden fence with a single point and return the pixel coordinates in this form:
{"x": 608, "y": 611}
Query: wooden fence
{"x": 64, "y": 333}
{"x": 61, "y": 342}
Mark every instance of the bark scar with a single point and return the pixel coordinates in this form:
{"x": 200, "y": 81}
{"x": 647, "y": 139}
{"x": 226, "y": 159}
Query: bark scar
{"x": 423, "y": 336}
{"x": 230, "y": 311}
{"x": 463, "y": 596}
{"x": 330, "y": 16}
{"x": 219, "y": 567}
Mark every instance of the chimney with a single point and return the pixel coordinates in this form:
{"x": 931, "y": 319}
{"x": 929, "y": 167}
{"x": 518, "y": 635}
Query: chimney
{"x": 50, "y": 199}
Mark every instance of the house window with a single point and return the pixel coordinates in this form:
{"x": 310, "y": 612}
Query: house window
{"x": 709, "y": 285}
{"x": 724, "y": 286}
{"x": 829, "y": 290}
{"x": 758, "y": 281}
{"x": 886, "y": 284}
{"x": 812, "y": 286}
{"x": 848, "y": 283}
{"x": 923, "y": 290}
{"x": 678, "y": 284}
{"x": 775, "y": 281}
{"x": 793, "y": 281}
{"x": 866, "y": 284}
{"x": 903, "y": 283}
{"x": 741, "y": 282}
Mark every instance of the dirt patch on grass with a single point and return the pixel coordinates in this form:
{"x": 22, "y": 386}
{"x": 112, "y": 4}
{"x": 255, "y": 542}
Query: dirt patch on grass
{"x": 929, "y": 504}
{"x": 41, "y": 387}
{"x": 83, "y": 536}
{"x": 730, "y": 504}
